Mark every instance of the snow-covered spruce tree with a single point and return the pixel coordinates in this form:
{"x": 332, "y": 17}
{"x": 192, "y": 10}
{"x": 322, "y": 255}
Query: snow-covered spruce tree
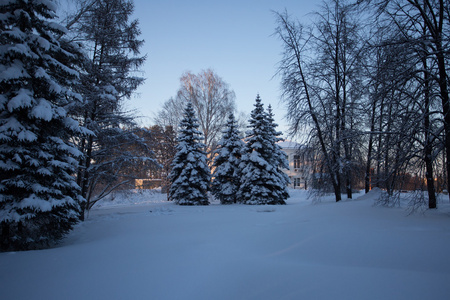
{"x": 279, "y": 157}
{"x": 39, "y": 198}
{"x": 190, "y": 176}
{"x": 226, "y": 177}
{"x": 262, "y": 182}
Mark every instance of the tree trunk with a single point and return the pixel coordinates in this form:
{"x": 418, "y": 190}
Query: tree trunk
{"x": 85, "y": 178}
{"x": 367, "y": 177}
{"x": 445, "y": 108}
{"x": 428, "y": 147}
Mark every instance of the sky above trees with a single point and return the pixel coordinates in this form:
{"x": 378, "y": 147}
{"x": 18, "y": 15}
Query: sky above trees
{"x": 234, "y": 38}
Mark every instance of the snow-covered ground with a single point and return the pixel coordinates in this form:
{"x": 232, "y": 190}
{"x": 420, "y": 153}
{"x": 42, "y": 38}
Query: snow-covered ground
{"x": 142, "y": 247}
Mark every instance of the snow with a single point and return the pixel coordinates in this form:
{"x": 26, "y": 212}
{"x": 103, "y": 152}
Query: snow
{"x": 289, "y": 145}
{"x": 43, "y": 110}
{"x": 140, "y": 246}
{"x": 44, "y": 43}
{"x": 15, "y": 71}
{"x": 22, "y": 99}
{"x": 26, "y": 135}
{"x": 11, "y": 124}
{"x": 35, "y": 202}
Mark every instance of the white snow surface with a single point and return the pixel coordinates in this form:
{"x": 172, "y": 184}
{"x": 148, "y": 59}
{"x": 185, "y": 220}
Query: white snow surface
{"x": 139, "y": 246}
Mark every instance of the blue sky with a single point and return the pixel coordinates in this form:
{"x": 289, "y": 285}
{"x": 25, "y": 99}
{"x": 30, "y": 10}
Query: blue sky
{"x": 234, "y": 38}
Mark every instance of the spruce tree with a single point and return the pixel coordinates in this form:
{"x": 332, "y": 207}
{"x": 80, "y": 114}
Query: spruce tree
{"x": 190, "y": 176}
{"x": 279, "y": 158}
{"x": 226, "y": 177}
{"x": 39, "y": 198}
{"x": 262, "y": 181}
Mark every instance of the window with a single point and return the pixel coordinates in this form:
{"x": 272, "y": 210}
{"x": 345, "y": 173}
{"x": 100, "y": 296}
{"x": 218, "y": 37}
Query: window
{"x": 296, "y": 161}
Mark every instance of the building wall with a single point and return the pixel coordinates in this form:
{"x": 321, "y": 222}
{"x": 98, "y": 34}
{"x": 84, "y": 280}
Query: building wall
{"x": 296, "y": 172}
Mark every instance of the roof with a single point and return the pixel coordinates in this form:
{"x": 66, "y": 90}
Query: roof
{"x": 289, "y": 145}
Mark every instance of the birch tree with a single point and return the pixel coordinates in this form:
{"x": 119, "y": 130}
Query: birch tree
{"x": 212, "y": 99}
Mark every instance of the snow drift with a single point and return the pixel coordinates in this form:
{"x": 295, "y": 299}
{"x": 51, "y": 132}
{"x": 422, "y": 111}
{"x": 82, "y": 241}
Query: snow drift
{"x": 143, "y": 247}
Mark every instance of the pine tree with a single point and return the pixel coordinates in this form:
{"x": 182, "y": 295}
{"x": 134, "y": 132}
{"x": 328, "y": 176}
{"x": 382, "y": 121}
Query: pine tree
{"x": 190, "y": 176}
{"x": 39, "y": 198}
{"x": 226, "y": 175}
{"x": 262, "y": 181}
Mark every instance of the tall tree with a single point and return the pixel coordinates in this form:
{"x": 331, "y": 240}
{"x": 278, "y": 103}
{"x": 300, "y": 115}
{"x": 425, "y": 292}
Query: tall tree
{"x": 324, "y": 92}
{"x": 111, "y": 40}
{"x": 303, "y": 99}
{"x": 279, "y": 158}
{"x": 39, "y": 198}
{"x": 395, "y": 110}
{"x": 337, "y": 74}
{"x": 190, "y": 176}
{"x": 424, "y": 28}
{"x": 262, "y": 182}
{"x": 212, "y": 99}
{"x": 226, "y": 176}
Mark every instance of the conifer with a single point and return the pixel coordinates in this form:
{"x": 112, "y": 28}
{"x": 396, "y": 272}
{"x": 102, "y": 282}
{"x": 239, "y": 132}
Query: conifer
{"x": 39, "y": 198}
{"x": 190, "y": 176}
{"x": 226, "y": 176}
{"x": 262, "y": 182}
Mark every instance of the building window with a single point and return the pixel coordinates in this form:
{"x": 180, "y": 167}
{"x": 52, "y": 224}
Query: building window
{"x": 296, "y": 161}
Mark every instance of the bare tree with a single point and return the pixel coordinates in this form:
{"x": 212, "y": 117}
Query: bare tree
{"x": 299, "y": 92}
{"x": 212, "y": 99}
{"x": 423, "y": 27}
{"x": 403, "y": 94}
{"x": 337, "y": 72}
{"x": 163, "y": 142}
{"x": 170, "y": 114}
{"x": 330, "y": 87}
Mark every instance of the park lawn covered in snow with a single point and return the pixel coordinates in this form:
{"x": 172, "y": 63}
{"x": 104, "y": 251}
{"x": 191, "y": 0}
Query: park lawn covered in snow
{"x": 142, "y": 247}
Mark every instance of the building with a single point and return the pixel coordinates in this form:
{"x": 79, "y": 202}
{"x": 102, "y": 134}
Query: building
{"x": 297, "y": 172}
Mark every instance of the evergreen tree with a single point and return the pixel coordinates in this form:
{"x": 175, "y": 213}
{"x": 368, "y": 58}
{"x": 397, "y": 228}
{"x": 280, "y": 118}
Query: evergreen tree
{"x": 262, "y": 182}
{"x": 279, "y": 157}
{"x": 39, "y": 198}
{"x": 190, "y": 176}
{"x": 106, "y": 30}
{"x": 226, "y": 175}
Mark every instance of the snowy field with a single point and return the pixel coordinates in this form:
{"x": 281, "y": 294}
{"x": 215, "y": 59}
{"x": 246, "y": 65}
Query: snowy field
{"x": 142, "y": 247}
